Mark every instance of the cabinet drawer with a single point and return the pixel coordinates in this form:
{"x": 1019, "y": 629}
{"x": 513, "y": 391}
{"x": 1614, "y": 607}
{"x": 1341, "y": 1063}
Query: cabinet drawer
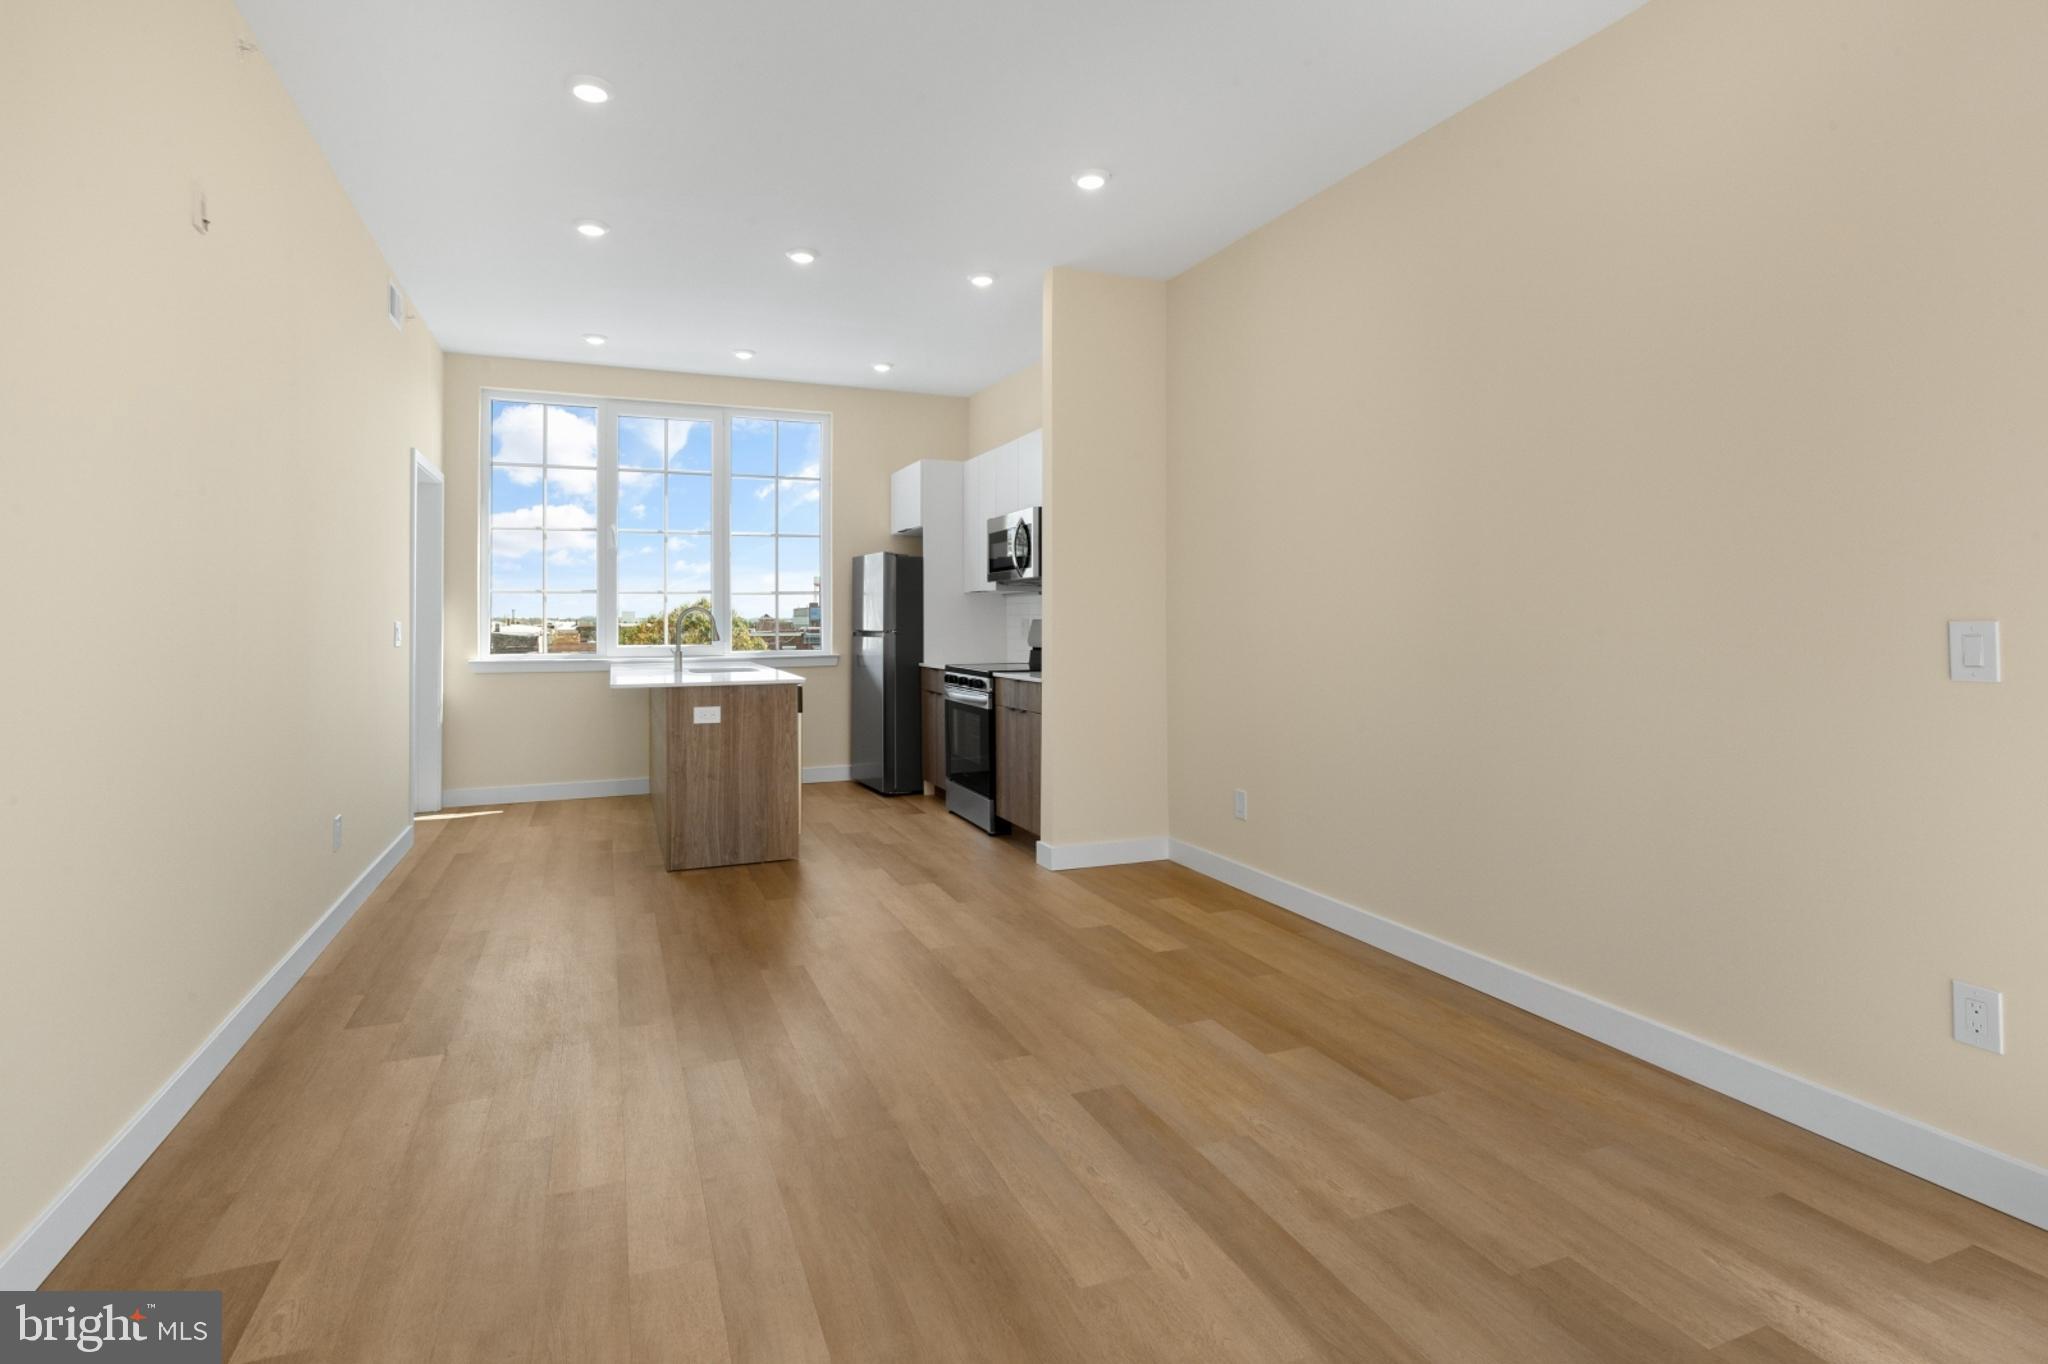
{"x": 934, "y": 680}
{"x": 1018, "y": 695}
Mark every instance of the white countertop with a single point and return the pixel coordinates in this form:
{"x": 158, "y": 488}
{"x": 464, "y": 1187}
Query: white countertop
{"x": 640, "y": 675}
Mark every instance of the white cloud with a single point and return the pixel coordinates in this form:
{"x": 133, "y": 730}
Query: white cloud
{"x": 510, "y": 549}
{"x": 638, "y": 494}
{"x": 518, "y": 429}
{"x": 572, "y": 549}
{"x": 572, "y": 437}
{"x": 685, "y": 568}
{"x": 516, "y": 433}
{"x": 561, "y": 516}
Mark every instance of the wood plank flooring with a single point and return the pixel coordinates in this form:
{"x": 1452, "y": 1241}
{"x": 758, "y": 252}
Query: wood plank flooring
{"x": 911, "y": 1098}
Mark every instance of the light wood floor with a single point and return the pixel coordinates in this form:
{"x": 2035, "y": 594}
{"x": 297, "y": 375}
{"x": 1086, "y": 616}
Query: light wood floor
{"x": 913, "y": 1099}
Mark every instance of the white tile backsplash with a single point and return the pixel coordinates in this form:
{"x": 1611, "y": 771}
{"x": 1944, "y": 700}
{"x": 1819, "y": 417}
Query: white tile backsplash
{"x": 1019, "y": 610}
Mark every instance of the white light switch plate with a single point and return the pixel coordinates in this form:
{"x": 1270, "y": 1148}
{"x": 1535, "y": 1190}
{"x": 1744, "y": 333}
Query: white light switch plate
{"x": 1979, "y": 1017}
{"x": 1973, "y": 651}
{"x": 704, "y": 715}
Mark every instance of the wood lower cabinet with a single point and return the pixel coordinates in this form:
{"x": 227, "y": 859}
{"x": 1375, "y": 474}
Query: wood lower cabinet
{"x": 724, "y": 773}
{"x": 1017, "y": 753}
{"x": 933, "y": 698}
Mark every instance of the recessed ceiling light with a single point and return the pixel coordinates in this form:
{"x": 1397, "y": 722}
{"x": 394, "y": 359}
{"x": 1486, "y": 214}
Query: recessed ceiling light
{"x": 801, "y": 256}
{"x": 590, "y": 90}
{"x": 883, "y": 366}
{"x": 981, "y": 281}
{"x": 592, "y": 339}
{"x": 1092, "y": 180}
{"x": 743, "y": 355}
{"x": 591, "y": 227}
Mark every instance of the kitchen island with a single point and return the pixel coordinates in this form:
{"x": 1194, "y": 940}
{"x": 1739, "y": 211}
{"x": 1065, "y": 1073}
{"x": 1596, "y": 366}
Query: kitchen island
{"x": 722, "y": 744}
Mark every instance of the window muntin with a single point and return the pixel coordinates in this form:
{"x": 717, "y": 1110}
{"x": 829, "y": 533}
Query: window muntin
{"x": 665, "y": 529}
{"x": 543, "y": 512}
{"x": 608, "y": 521}
{"x": 776, "y": 569}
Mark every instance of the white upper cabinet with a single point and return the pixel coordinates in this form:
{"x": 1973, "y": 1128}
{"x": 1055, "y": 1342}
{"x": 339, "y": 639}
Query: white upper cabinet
{"x": 1008, "y": 478}
{"x": 998, "y": 482}
{"x": 975, "y": 500}
{"x": 906, "y": 500}
{"x": 1008, "y": 493}
{"x": 1031, "y": 470}
{"x": 939, "y": 498}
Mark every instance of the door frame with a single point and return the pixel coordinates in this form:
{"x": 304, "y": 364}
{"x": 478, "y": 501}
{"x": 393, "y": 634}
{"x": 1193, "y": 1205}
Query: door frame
{"x": 423, "y": 674}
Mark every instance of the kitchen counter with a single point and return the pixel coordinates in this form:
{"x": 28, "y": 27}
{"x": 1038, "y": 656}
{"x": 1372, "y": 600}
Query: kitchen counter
{"x": 647, "y": 674}
{"x": 1019, "y": 676}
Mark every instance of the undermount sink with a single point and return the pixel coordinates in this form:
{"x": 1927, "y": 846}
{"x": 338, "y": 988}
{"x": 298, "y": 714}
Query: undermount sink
{"x": 720, "y": 667}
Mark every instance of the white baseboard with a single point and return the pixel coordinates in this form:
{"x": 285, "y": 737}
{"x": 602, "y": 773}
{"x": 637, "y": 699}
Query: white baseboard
{"x": 50, "y": 1237}
{"x": 547, "y": 790}
{"x": 458, "y": 796}
{"x": 2010, "y": 1185}
{"x": 1114, "y": 853}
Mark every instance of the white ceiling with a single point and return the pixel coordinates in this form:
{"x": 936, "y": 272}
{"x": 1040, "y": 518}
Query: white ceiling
{"x": 909, "y": 142}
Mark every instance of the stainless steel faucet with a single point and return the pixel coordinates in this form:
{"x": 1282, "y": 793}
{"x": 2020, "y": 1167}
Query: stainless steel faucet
{"x": 710, "y": 620}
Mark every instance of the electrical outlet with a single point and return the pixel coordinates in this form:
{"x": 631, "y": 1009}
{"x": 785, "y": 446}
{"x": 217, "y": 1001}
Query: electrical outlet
{"x": 1240, "y": 805}
{"x": 398, "y": 634}
{"x": 1979, "y": 1017}
{"x": 337, "y": 833}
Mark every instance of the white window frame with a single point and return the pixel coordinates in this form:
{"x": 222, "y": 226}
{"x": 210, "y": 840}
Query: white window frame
{"x": 609, "y": 650}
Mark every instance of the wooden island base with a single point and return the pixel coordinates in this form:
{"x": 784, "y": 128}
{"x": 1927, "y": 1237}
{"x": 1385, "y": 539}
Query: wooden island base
{"x": 725, "y": 790}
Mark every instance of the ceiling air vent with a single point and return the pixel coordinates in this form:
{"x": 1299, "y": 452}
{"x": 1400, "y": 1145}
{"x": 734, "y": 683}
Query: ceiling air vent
{"x": 394, "y": 304}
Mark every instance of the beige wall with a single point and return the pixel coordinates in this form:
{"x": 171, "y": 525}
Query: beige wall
{"x": 209, "y": 474}
{"x": 1581, "y": 493}
{"x": 1006, "y": 409}
{"x": 1104, "y": 736}
{"x": 522, "y": 729}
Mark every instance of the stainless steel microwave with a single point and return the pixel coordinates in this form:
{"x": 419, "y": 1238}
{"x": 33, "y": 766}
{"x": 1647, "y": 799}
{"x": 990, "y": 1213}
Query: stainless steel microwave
{"x": 1016, "y": 546}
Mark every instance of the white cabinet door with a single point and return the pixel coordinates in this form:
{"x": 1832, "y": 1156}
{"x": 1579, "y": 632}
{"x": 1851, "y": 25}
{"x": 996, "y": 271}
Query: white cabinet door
{"x": 974, "y": 498}
{"x": 1004, "y": 492}
{"x": 906, "y": 500}
{"x": 1031, "y": 470}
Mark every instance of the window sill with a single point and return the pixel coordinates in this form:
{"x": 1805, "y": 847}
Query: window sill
{"x": 597, "y": 663}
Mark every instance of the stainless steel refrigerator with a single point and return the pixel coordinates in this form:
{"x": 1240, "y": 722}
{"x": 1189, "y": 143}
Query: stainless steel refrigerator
{"x": 888, "y": 646}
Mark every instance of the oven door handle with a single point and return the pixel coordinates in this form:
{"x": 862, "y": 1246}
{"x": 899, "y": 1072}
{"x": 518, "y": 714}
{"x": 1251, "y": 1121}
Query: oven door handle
{"x": 976, "y": 699}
